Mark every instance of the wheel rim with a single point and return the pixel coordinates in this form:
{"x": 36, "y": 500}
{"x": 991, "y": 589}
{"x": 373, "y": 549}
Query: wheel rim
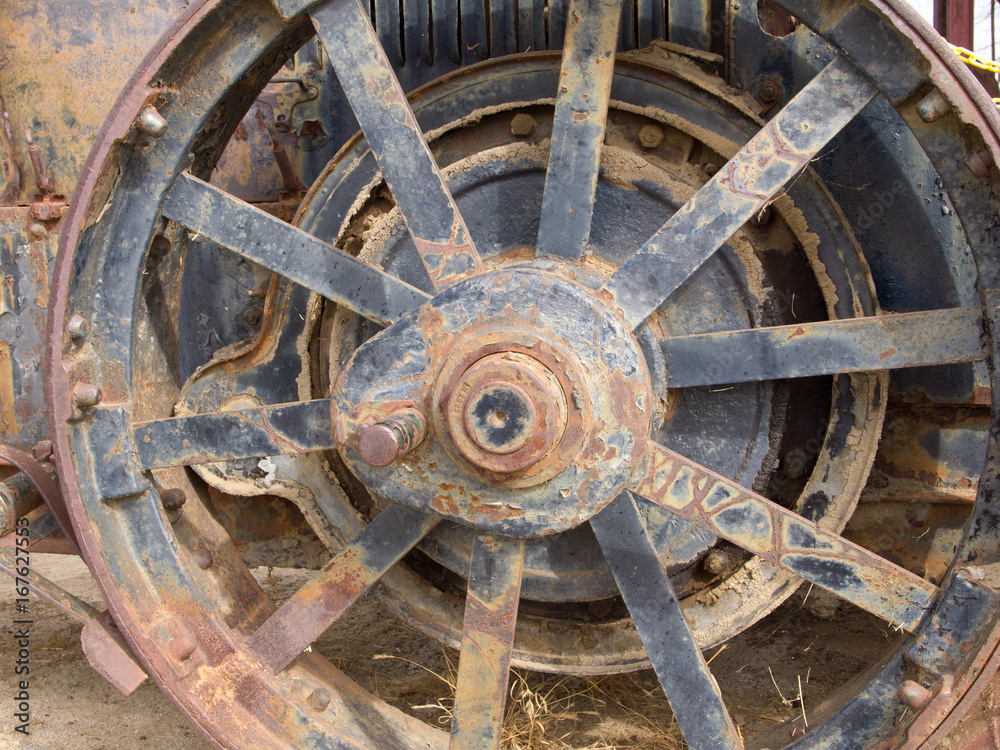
{"x": 141, "y": 560}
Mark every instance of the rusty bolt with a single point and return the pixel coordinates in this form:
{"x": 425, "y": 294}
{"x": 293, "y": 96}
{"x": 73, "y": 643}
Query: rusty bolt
{"x": 769, "y": 91}
{"x": 522, "y": 125}
{"x": 650, "y": 136}
{"x": 86, "y": 395}
{"x": 151, "y": 122}
{"x": 933, "y": 107}
{"x": 77, "y": 328}
{"x": 385, "y": 441}
{"x": 716, "y": 562}
{"x": 319, "y": 699}
{"x": 252, "y": 317}
{"x": 203, "y": 558}
{"x": 914, "y": 695}
{"x": 182, "y": 647}
{"x": 37, "y": 231}
{"x": 979, "y": 163}
{"x": 173, "y": 498}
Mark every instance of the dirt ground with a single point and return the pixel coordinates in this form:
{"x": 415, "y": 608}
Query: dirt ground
{"x": 760, "y": 672}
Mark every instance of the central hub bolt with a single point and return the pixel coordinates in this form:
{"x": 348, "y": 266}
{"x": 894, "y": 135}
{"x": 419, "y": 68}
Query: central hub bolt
{"x": 506, "y": 412}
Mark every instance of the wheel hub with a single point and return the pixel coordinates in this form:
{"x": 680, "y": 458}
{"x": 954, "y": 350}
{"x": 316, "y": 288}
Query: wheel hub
{"x": 539, "y": 396}
{"x": 506, "y": 412}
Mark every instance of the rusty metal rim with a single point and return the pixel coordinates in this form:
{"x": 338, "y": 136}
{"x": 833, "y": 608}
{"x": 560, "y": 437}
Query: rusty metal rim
{"x": 59, "y": 390}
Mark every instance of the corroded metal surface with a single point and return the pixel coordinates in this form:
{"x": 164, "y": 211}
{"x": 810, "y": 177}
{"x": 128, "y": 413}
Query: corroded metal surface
{"x": 284, "y": 249}
{"x": 314, "y": 607}
{"x": 784, "y": 538}
{"x": 378, "y": 101}
{"x": 827, "y": 348}
{"x": 687, "y": 682}
{"x": 578, "y": 130}
{"x": 579, "y": 353}
{"x": 242, "y": 433}
{"x": 197, "y": 644}
{"x": 487, "y": 639}
{"x": 739, "y": 190}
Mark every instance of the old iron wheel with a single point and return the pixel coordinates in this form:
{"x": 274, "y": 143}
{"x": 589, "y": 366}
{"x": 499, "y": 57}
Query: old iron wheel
{"x": 574, "y": 628}
{"x": 213, "y": 641}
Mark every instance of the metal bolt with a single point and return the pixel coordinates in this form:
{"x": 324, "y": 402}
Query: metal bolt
{"x": 387, "y": 440}
{"x": 769, "y": 91}
{"x": 933, "y": 107}
{"x": 77, "y": 328}
{"x": 37, "y": 231}
{"x": 203, "y": 558}
{"x": 173, "y": 498}
{"x": 914, "y": 695}
{"x": 151, "y": 122}
{"x": 319, "y": 699}
{"x": 522, "y": 124}
{"x": 650, "y": 136}
{"x": 716, "y": 562}
{"x": 86, "y": 395}
{"x": 252, "y": 317}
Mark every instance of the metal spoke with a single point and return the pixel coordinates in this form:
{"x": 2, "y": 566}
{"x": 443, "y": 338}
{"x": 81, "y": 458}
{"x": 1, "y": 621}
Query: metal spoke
{"x": 885, "y": 342}
{"x": 578, "y": 129}
{"x": 216, "y": 215}
{"x": 230, "y": 435}
{"x": 687, "y": 682}
{"x": 487, "y": 640}
{"x": 315, "y": 606}
{"x": 740, "y": 189}
{"x": 783, "y": 538}
{"x": 378, "y": 101}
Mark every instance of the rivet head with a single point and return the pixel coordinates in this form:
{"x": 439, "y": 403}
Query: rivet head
{"x": 522, "y": 125}
{"x": 914, "y": 695}
{"x": 182, "y": 647}
{"x": 319, "y": 699}
{"x": 77, "y": 328}
{"x": 203, "y": 558}
{"x": 173, "y": 498}
{"x": 650, "y": 136}
{"x": 716, "y": 562}
{"x": 86, "y": 395}
{"x": 37, "y": 231}
{"x": 151, "y": 122}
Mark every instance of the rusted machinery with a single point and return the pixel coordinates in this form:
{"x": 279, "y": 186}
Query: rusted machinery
{"x": 584, "y": 333}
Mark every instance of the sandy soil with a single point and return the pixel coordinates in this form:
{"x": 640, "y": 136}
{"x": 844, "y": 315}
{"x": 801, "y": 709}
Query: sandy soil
{"x": 73, "y": 708}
